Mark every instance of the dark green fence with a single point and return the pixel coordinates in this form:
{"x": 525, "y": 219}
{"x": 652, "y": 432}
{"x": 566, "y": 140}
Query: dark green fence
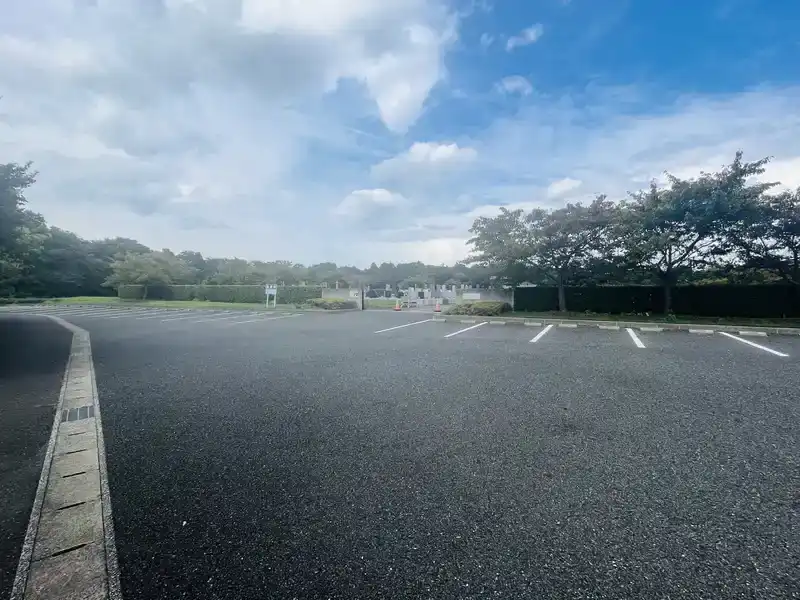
{"x": 767, "y": 301}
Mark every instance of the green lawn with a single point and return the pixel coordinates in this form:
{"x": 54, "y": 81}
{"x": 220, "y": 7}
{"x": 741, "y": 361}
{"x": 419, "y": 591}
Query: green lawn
{"x": 164, "y": 303}
{"x": 661, "y": 318}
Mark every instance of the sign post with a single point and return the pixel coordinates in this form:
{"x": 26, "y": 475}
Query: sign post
{"x": 272, "y": 290}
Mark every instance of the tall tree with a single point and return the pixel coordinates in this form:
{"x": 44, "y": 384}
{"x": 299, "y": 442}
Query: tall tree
{"x": 767, "y": 237}
{"x": 154, "y": 268}
{"x": 14, "y": 180}
{"x": 553, "y": 244}
{"x": 671, "y": 230}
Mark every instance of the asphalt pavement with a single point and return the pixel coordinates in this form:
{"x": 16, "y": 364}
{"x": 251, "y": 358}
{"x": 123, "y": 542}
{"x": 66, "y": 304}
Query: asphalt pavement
{"x": 33, "y": 355}
{"x": 309, "y": 457}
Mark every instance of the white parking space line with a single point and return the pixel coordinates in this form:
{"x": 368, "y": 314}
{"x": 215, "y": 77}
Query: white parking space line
{"x": 264, "y": 319}
{"x": 401, "y": 326}
{"x": 153, "y": 314}
{"x": 753, "y": 344}
{"x": 634, "y": 337}
{"x": 190, "y": 316}
{"x": 220, "y": 318}
{"x": 123, "y": 314}
{"x": 465, "y": 329}
{"x": 91, "y": 313}
{"x": 541, "y": 334}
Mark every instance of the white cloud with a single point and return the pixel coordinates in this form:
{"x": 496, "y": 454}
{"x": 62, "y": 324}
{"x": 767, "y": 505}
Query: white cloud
{"x": 208, "y": 112}
{"x": 361, "y": 204}
{"x": 434, "y": 251}
{"x": 194, "y": 125}
{"x": 520, "y": 155}
{"x": 424, "y": 165}
{"x": 427, "y": 152}
{"x": 787, "y": 172}
{"x": 526, "y": 37}
{"x": 486, "y": 40}
{"x": 561, "y": 187}
{"x": 514, "y": 84}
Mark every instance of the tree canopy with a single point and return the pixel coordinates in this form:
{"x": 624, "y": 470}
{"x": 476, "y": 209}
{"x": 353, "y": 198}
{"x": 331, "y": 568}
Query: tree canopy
{"x": 722, "y": 224}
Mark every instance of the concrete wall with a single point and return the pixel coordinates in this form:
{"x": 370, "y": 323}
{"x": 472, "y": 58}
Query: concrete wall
{"x": 490, "y": 295}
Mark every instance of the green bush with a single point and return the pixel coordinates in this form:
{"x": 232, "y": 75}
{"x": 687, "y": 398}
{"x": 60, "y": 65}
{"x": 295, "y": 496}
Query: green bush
{"x": 482, "y": 308}
{"x": 332, "y": 304}
{"x": 298, "y": 294}
{"x": 183, "y": 292}
{"x": 246, "y": 294}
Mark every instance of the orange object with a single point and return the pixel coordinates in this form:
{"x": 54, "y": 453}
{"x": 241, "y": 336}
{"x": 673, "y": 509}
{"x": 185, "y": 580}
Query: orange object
{"x": 438, "y": 307}
{"x": 397, "y": 305}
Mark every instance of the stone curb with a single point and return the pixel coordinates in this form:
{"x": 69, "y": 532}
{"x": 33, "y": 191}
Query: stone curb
{"x": 69, "y": 549}
{"x": 642, "y": 326}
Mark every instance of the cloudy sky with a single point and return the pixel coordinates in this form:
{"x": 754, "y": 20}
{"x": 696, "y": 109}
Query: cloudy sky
{"x": 371, "y": 130}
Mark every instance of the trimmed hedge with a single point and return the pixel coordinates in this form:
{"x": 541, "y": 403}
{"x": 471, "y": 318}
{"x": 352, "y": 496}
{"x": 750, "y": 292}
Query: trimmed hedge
{"x": 483, "y": 308}
{"x": 130, "y": 292}
{"x": 298, "y": 294}
{"x": 765, "y": 301}
{"x": 332, "y": 304}
{"x": 219, "y": 293}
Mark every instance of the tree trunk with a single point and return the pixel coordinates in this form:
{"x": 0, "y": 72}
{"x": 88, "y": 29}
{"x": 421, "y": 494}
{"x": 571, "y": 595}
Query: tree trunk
{"x": 562, "y": 296}
{"x": 144, "y": 293}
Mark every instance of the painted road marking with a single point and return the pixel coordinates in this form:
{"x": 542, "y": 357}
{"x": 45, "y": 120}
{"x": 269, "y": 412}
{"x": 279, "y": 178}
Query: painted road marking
{"x": 541, "y": 334}
{"x": 192, "y": 316}
{"x": 91, "y": 315}
{"x": 749, "y": 343}
{"x": 150, "y": 314}
{"x": 634, "y": 337}
{"x": 90, "y": 311}
{"x": 401, "y": 326}
{"x": 259, "y": 320}
{"x": 85, "y": 313}
{"x": 218, "y": 318}
{"x": 155, "y": 314}
{"x": 69, "y": 544}
{"x": 465, "y": 329}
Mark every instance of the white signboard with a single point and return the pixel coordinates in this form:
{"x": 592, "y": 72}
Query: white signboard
{"x": 355, "y": 293}
{"x": 271, "y": 290}
{"x": 472, "y": 296}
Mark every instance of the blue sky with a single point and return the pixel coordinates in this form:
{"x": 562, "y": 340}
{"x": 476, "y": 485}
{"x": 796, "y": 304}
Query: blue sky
{"x": 376, "y": 130}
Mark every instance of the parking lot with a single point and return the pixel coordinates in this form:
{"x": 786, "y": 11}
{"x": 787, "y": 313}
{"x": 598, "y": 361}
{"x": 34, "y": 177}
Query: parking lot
{"x": 386, "y": 455}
